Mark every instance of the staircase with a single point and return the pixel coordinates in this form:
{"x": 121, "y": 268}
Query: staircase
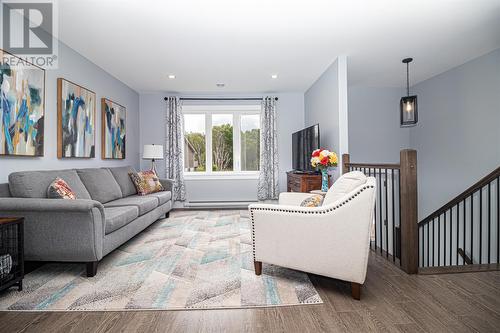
{"x": 461, "y": 236}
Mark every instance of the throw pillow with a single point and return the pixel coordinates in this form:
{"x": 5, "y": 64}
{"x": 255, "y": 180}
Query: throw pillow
{"x": 146, "y": 182}
{"x": 314, "y": 201}
{"x": 59, "y": 189}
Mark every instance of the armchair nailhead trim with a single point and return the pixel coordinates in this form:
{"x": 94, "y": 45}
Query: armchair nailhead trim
{"x": 300, "y": 212}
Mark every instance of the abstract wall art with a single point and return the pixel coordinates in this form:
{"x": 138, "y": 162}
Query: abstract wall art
{"x": 113, "y": 130}
{"x": 75, "y": 120}
{"x": 22, "y": 99}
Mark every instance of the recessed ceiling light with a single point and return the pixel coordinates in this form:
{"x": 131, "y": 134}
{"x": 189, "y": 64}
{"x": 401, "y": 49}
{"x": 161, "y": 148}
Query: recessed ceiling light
{"x": 274, "y": 76}
{"x": 171, "y": 76}
{"x": 220, "y": 85}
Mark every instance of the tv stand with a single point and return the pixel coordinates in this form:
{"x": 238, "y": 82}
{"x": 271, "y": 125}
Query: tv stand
{"x": 300, "y": 172}
{"x": 303, "y": 182}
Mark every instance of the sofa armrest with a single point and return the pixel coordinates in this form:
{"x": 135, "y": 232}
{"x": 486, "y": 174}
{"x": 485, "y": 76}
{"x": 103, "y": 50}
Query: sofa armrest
{"x": 45, "y": 205}
{"x": 293, "y": 198}
{"x": 167, "y": 184}
{"x": 58, "y": 229}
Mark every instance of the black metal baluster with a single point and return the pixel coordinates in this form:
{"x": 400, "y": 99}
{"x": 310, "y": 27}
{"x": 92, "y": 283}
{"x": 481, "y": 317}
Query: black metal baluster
{"x": 444, "y": 242}
{"x": 489, "y": 223}
{"x": 451, "y": 233}
{"x": 463, "y": 240}
{"x": 481, "y": 225}
{"x": 428, "y": 243}
{"x": 458, "y": 227}
{"x": 386, "y": 217}
{"x": 433, "y": 242}
{"x": 380, "y": 209}
{"x": 394, "y": 222}
{"x": 472, "y": 227}
{"x": 498, "y": 219}
{"x": 399, "y": 214}
{"x": 439, "y": 240}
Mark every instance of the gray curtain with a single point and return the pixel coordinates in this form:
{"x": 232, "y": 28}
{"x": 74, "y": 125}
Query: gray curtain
{"x": 174, "y": 145}
{"x": 268, "y": 177}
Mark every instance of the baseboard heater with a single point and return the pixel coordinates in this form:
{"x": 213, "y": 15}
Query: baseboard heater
{"x": 217, "y": 204}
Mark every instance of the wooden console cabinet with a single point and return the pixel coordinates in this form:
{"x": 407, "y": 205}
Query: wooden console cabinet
{"x": 300, "y": 182}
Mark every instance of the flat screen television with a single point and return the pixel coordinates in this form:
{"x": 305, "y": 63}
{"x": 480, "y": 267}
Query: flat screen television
{"x": 303, "y": 144}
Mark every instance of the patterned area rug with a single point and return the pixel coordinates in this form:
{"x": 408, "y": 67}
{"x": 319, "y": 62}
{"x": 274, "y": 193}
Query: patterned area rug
{"x": 194, "y": 259}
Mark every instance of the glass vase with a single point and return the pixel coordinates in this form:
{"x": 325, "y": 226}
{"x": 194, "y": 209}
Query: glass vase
{"x": 324, "y": 180}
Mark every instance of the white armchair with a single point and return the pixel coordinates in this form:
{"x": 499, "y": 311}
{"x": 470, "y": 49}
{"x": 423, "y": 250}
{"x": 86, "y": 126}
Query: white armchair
{"x": 330, "y": 240}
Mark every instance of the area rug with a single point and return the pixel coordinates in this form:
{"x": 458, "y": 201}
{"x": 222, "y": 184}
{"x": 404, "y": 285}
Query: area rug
{"x": 192, "y": 260}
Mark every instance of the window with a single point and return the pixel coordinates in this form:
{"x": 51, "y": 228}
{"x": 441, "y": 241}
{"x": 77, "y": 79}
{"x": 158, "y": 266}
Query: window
{"x": 231, "y": 135}
{"x": 194, "y": 142}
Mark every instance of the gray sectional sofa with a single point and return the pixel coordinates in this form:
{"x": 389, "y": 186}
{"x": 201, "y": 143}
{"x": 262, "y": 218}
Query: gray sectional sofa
{"x": 106, "y": 213}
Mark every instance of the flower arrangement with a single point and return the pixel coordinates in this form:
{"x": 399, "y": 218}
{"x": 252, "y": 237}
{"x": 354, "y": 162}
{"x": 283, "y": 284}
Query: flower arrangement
{"x": 323, "y": 159}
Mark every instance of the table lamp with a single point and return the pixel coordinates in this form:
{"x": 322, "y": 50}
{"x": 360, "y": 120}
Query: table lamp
{"x": 153, "y": 152}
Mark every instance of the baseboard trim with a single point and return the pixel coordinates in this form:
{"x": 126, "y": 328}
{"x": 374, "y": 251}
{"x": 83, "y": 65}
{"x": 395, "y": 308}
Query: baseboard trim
{"x": 217, "y": 204}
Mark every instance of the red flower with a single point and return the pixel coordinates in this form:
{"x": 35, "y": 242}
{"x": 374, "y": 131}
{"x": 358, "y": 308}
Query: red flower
{"x": 316, "y": 152}
{"x": 324, "y": 160}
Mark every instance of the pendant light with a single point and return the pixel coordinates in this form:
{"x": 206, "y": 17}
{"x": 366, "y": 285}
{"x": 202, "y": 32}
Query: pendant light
{"x": 408, "y": 104}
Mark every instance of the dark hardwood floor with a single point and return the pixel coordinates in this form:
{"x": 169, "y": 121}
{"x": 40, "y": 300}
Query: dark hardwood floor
{"x": 391, "y": 301}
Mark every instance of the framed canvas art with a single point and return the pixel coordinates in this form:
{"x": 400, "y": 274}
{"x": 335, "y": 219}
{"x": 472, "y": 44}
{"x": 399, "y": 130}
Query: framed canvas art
{"x": 75, "y": 120}
{"x": 22, "y": 101}
{"x": 113, "y": 125}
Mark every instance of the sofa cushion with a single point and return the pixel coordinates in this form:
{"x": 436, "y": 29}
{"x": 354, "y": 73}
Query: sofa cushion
{"x": 145, "y": 204}
{"x": 117, "y": 217}
{"x": 123, "y": 179}
{"x": 345, "y": 184}
{"x": 162, "y": 196}
{"x": 101, "y": 184}
{"x": 34, "y": 184}
{"x": 4, "y": 190}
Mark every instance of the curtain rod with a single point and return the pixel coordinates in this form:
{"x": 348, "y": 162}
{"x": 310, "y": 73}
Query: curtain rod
{"x": 220, "y": 99}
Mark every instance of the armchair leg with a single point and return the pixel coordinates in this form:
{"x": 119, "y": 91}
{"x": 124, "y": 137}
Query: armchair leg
{"x": 356, "y": 290}
{"x": 258, "y": 267}
{"x": 92, "y": 268}
{"x": 167, "y": 215}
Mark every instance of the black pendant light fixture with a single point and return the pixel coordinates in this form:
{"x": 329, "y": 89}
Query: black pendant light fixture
{"x": 408, "y": 104}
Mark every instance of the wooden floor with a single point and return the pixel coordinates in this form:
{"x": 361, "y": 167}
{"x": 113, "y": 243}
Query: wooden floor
{"x": 391, "y": 302}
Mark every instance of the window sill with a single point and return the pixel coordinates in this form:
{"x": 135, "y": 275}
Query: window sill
{"x": 221, "y": 176}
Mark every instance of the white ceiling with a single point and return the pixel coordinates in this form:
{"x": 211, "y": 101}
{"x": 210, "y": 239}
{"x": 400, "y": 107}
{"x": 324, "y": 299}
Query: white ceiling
{"x": 241, "y": 43}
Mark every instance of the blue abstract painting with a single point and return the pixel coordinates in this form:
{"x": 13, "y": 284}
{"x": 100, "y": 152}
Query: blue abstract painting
{"x": 22, "y": 90}
{"x": 76, "y": 120}
{"x": 113, "y": 130}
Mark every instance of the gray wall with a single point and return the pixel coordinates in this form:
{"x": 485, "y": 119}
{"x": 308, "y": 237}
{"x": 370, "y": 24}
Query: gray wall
{"x": 74, "y": 67}
{"x": 321, "y": 106}
{"x": 374, "y": 132}
{"x": 290, "y": 119}
{"x": 325, "y": 102}
{"x": 458, "y": 136}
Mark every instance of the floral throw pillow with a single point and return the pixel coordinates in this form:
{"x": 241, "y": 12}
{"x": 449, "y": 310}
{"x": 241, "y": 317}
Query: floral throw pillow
{"x": 314, "y": 201}
{"x": 59, "y": 189}
{"x": 146, "y": 182}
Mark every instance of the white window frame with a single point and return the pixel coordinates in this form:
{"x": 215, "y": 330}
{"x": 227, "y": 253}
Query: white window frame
{"x": 237, "y": 111}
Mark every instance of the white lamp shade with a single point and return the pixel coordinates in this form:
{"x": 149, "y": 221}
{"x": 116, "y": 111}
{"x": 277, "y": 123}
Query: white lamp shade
{"x": 152, "y": 152}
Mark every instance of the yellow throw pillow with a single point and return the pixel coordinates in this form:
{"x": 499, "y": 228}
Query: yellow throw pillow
{"x": 314, "y": 201}
{"x": 146, "y": 182}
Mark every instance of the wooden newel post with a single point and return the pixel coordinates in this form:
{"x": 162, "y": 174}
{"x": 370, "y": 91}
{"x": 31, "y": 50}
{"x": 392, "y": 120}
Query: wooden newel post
{"x": 409, "y": 211}
{"x": 345, "y": 163}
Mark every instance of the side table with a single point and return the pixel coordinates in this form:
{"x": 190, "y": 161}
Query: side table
{"x": 11, "y": 252}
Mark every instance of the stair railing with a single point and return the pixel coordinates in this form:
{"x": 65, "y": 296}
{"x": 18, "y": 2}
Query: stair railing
{"x": 463, "y": 232}
{"x": 395, "y": 227}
